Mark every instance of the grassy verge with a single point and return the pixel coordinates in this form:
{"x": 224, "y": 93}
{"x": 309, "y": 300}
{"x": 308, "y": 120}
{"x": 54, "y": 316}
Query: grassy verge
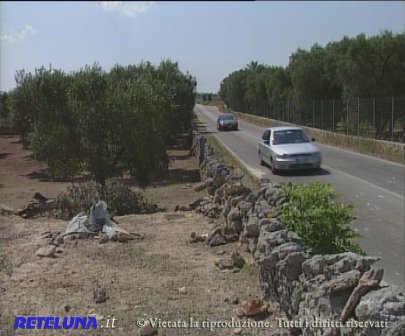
{"x": 230, "y": 160}
{"x": 387, "y": 150}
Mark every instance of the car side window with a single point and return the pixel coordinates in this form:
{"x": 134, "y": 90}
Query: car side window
{"x": 266, "y": 135}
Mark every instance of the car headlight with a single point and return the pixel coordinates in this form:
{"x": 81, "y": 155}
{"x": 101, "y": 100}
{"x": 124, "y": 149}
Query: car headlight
{"x": 283, "y": 156}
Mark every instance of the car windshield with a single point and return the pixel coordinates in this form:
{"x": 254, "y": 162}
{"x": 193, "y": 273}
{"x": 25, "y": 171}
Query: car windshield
{"x": 227, "y": 117}
{"x": 290, "y": 136}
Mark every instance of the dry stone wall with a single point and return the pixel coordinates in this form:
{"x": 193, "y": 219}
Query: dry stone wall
{"x": 337, "y": 294}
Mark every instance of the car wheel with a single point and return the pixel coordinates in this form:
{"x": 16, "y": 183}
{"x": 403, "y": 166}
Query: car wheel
{"x": 316, "y": 170}
{"x": 273, "y": 169}
{"x": 262, "y": 163}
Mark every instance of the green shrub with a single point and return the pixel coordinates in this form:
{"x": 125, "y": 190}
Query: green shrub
{"x": 323, "y": 224}
{"x": 121, "y": 200}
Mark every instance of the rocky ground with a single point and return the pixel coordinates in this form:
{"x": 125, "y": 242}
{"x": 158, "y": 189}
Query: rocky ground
{"x": 162, "y": 276}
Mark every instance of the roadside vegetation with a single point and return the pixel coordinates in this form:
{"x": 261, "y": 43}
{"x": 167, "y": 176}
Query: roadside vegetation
{"x": 345, "y": 69}
{"x": 121, "y": 199}
{"x": 314, "y": 213}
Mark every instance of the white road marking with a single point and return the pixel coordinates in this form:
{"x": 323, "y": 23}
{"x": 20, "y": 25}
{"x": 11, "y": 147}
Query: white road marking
{"x": 367, "y": 156}
{"x": 365, "y": 182}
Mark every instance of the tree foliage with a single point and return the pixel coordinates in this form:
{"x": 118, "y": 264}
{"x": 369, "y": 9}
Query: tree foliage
{"x": 103, "y": 122}
{"x": 353, "y": 67}
{"x": 4, "y": 109}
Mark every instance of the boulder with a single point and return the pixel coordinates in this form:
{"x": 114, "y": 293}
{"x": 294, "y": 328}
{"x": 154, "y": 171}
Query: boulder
{"x": 254, "y": 307}
{"x": 224, "y": 263}
{"x": 99, "y": 294}
{"x": 234, "y": 220}
{"x": 329, "y": 282}
{"x": 200, "y": 186}
{"x": 147, "y": 330}
{"x": 237, "y": 259}
{"x": 368, "y": 281}
{"x": 396, "y": 328}
{"x": 46, "y": 251}
{"x": 270, "y": 225}
{"x": 251, "y": 228}
{"x": 216, "y": 240}
{"x": 387, "y": 303}
{"x": 6, "y": 210}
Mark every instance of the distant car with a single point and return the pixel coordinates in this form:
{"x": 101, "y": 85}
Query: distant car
{"x": 288, "y": 148}
{"x": 227, "y": 121}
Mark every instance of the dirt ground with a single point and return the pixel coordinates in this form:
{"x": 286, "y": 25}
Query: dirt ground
{"x": 162, "y": 277}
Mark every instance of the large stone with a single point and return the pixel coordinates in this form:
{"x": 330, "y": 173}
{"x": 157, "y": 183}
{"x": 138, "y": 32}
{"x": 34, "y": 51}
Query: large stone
{"x": 147, "y": 330}
{"x": 46, "y": 251}
{"x": 252, "y": 197}
{"x": 99, "y": 294}
{"x": 216, "y": 240}
{"x": 254, "y": 307}
{"x": 270, "y": 225}
{"x": 234, "y": 220}
{"x": 269, "y": 240}
{"x": 252, "y": 227}
{"x": 6, "y": 210}
{"x": 237, "y": 259}
{"x": 284, "y": 250}
{"x": 200, "y": 186}
{"x": 291, "y": 265}
{"x": 262, "y": 208}
{"x": 386, "y": 303}
{"x": 225, "y": 263}
{"x": 234, "y": 201}
{"x": 252, "y": 244}
{"x": 337, "y": 263}
{"x": 328, "y": 283}
{"x": 209, "y": 183}
{"x": 234, "y": 189}
{"x": 369, "y": 280}
{"x": 396, "y": 328}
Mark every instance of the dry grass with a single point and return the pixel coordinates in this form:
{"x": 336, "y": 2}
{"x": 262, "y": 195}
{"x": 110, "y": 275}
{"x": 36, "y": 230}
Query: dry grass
{"x": 141, "y": 278}
{"x": 232, "y": 162}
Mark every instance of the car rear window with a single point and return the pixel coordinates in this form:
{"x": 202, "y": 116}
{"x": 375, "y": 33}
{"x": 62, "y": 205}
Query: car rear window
{"x": 290, "y": 136}
{"x": 227, "y": 117}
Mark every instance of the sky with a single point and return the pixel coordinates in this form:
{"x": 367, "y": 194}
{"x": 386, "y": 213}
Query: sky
{"x": 208, "y": 39}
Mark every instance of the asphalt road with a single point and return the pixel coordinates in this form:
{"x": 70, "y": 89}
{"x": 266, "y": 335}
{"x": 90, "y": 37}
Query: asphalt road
{"x": 373, "y": 186}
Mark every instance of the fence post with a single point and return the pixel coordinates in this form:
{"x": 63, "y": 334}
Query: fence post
{"x": 313, "y": 113}
{"x": 392, "y": 119}
{"x": 322, "y": 116}
{"x": 374, "y": 131}
{"x": 278, "y": 111}
{"x": 358, "y": 117}
{"x": 347, "y": 117}
{"x": 333, "y": 115}
{"x": 299, "y": 114}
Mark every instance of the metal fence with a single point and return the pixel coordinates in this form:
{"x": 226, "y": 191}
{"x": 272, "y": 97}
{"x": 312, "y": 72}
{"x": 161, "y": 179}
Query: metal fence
{"x": 376, "y": 118}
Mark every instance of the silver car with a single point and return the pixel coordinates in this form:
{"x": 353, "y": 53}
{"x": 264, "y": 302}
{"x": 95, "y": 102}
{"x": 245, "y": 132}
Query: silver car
{"x": 287, "y": 148}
